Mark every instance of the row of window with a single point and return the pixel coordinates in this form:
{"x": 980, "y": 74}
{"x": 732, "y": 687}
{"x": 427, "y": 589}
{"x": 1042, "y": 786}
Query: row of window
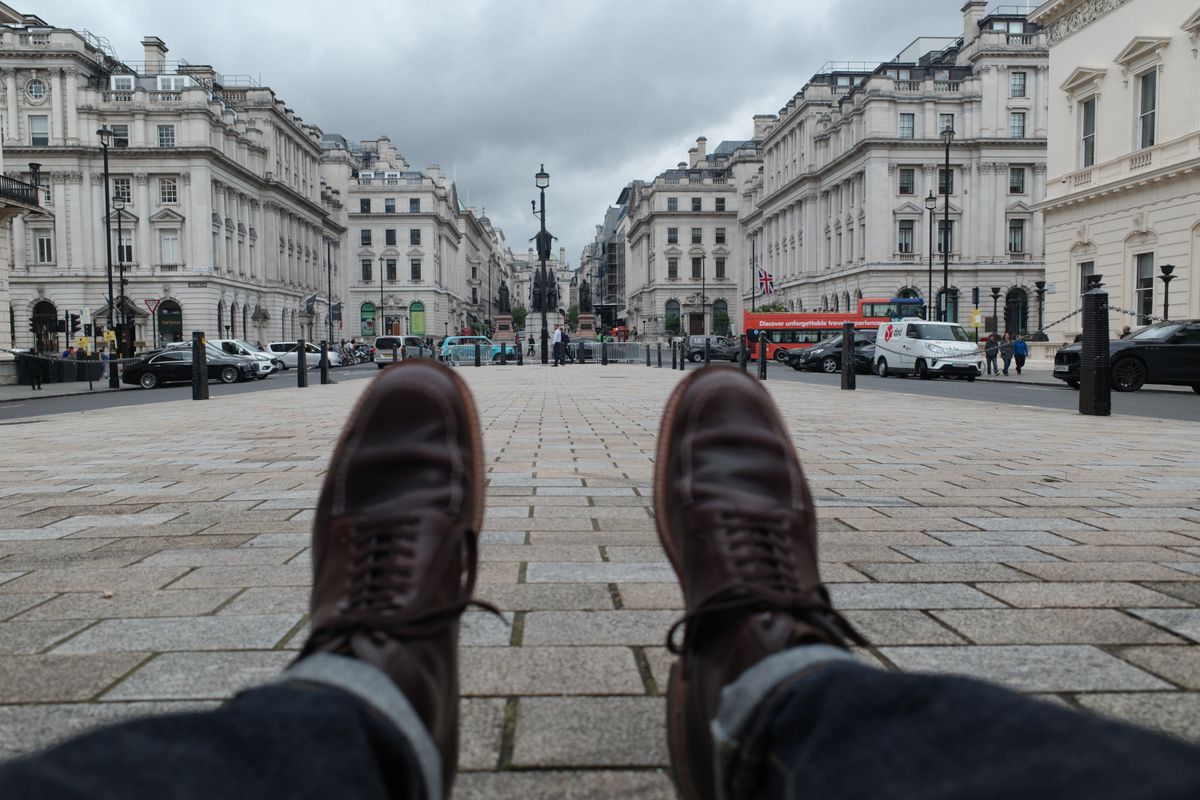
{"x": 908, "y": 180}
{"x": 168, "y": 190}
{"x": 697, "y": 204}
{"x": 697, "y": 268}
{"x": 906, "y": 232}
{"x": 697, "y": 236}
{"x": 389, "y": 269}
{"x": 1147, "y": 123}
{"x": 389, "y": 205}
{"x": 168, "y": 246}
{"x": 908, "y": 124}
{"x": 389, "y": 237}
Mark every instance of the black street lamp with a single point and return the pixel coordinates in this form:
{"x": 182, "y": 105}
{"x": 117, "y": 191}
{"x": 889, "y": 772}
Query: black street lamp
{"x": 995, "y": 308}
{"x": 119, "y": 207}
{"x": 379, "y": 331}
{"x": 1166, "y": 278}
{"x": 328, "y": 289}
{"x": 542, "y": 181}
{"x": 1040, "y": 288}
{"x": 105, "y": 139}
{"x": 930, "y": 206}
{"x": 703, "y": 296}
{"x": 947, "y": 139}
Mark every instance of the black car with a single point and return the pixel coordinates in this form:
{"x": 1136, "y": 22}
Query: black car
{"x": 175, "y": 366}
{"x": 826, "y": 355}
{"x": 1165, "y": 353}
{"x": 720, "y": 348}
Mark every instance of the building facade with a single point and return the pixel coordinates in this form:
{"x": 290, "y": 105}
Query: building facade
{"x": 684, "y": 256}
{"x": 1124, "y": 158}
{"x": 602, "y": 265}
{"x": 853, "y": 161}
{"x": 211, "y": 200}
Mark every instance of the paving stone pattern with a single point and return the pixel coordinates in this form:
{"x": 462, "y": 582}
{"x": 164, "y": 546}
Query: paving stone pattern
{"x": 166, "y": 564}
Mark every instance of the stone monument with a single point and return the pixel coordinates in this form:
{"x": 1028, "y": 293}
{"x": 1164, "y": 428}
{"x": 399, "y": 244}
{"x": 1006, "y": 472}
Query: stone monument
{"x": 587, "y": 319}
{"x": 504, "y": 322}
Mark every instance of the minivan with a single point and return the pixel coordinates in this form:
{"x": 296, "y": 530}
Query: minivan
{"x": 926, "y": 349}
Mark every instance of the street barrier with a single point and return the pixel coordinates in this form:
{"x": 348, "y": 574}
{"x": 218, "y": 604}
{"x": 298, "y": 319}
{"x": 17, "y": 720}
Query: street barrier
{"x": 607, "y": 352}
{"x": 199, "y": 366}
{"x": 1095, "y": 374}
{"x": 301, "y": 363}
{"x": 849, "y": 376}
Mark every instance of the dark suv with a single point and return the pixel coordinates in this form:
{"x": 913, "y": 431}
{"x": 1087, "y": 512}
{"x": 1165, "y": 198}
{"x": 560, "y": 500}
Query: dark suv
{"x": 720, "y": 348}
{"x": 826, "y": 355}
{"x": 1166, "y": 353}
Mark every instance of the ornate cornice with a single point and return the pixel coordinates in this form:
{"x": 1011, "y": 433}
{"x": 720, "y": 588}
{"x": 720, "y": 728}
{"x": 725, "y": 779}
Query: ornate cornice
{"x": 1079, "y": 18}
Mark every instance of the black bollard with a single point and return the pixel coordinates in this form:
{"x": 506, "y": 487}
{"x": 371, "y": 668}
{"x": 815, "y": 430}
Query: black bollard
{"x": 301, "y": 364}
{"x": 1095, "y": 374}
{"x": 520, "y": 357}
{"x": 477, "y": 355}
{"x": 706, "y": 351}
{"x": 743, "y": 354}
{"x": 647, "y": 355}
{"x": 849, "y": 377}
{"x": 324, "y": 363}
{"x": 503, "y": 354}
{"x": 395, "y": 353}
{"x": 660, "y": 355}
{"x": 199, "y": 366}
{"x": 762, "y": 358}
{"x": 604, "y": 354}
{"x": 673, "y": 355}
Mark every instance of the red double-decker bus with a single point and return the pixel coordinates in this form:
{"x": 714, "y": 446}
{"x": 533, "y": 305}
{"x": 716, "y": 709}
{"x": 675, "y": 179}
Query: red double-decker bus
{"x": 781, "y": 331}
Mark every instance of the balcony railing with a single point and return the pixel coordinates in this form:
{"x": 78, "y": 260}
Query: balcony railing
{"x": 946, "y": 86}
{"x": 19, "y": 191}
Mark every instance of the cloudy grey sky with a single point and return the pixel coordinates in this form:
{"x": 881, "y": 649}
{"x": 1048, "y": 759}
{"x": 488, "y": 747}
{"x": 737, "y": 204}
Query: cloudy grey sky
{"x": 602, "y": 91}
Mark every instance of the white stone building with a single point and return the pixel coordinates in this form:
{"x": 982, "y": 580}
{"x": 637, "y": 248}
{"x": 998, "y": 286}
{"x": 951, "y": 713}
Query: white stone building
{"x": 16, "y": 198}
{"x": 684, "y": 257}
{"x": 839, "y": 211}
{"x": 224, "y": 227}
{"x": 1124, "y": 156}
{"x": 413, "y": 249}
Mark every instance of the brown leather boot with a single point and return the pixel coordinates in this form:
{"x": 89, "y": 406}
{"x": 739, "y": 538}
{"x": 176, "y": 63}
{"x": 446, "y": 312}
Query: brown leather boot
{"x": 395, "y": 536}
{"x": 736, "y": 519}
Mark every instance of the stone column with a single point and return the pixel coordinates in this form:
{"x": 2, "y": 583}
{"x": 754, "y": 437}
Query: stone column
{"x": 72, "y": 105}
{"x": 142, "y": 255}
{"x": 57, "y": 87}
{"x": 1038, "y": 223}
{"x": 12, "y": 133}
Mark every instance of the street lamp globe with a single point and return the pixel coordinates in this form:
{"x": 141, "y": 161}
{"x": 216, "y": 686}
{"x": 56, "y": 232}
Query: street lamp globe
{"x": 930, "y": 201}
{"x": 947, "y": 135}
{"x": 105, "y": 136}
{"x": 542, "y": 178}
{"x": 118, "y": 203}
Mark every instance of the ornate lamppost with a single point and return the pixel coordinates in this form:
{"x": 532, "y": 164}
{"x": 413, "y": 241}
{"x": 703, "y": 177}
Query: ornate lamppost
{"x": 930, "y": 206}
{"x": 106, "y": 136}
{"x": 543, "y": 238}
{"x": 1040, "y": 288}
{"x": 1166, "y": 278}
{"x": 944, "y": 311}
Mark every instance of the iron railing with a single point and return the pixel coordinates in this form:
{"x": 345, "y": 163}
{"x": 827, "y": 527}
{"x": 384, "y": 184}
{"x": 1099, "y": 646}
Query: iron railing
{"x": 20, "y": 191}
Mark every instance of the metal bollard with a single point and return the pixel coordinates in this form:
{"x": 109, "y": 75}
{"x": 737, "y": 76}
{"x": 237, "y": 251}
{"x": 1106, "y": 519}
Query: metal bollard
{"x": 324, "y": 362}
{"x": 395, "y": 354}
{"x": 604, "y": 354}
{"x": 1095, "y": 373}
{"x": 647, "y": 356}
{"x": 762, "y": 358}
{"x": 478, "y": 361}
{"x": 520, "y": 356}
{"x": 744, "y": 354}
{"x": 301, "y": 364}
{"x": 706, "y": 351}
{"x": 503, "y": 354}
{"x": 849, "y": 377}
{"x": 673, "y": 356}
{"x": 403, "y": 353}
{"x": 660, "y": 355}
{"x": 199, "y": 367}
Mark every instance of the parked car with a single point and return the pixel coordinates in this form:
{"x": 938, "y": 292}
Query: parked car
{"x": 1165, "y": 353}
{"x": 286, "y": 353}
{"x": 236, "y": 347}
{"x": 827, "y": 355}
{"x": 405, "y": 347}
{"x": 926, "y": 349}
{"x": 174, "y": 365}
{"x": 488, "y": 349}
{"x": 720, "y": 348}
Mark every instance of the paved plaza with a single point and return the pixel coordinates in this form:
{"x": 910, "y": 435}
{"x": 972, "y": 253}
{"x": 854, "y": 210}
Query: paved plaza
{"x": 156, "y": 558}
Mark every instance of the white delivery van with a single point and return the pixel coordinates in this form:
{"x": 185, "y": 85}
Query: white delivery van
{"x": 926, "y": 349}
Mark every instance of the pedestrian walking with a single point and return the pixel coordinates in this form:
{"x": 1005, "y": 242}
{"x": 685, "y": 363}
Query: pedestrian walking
{"x": 558, "y": 345}
{"x": 1020, "y": 352}
{"x": 991, "y": 347}
{"x": 1006, "y": 351}
{"x": 530, "y": 353}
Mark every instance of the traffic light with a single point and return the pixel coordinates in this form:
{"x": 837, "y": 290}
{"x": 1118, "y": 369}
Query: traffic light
{"x": 87, "y": 330}
{"x": 74, "y": 324}
{"x": 33, "y": 326}
{"x": 975, "y": 297}
{"x": 60, "y": 326}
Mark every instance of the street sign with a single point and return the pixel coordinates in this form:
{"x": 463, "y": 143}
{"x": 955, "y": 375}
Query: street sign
{"x": 152, "y": 305}
{"x": 82, "y": 343}
{"x": 976, "y": 318}
{"x": 110, "y": 336}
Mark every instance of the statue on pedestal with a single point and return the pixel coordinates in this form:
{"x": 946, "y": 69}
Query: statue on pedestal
{"x": 585, "y": 297}
{"x": 503, "y": 303}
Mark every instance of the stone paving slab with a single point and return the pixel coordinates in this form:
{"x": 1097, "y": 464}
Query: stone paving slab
{"x": 1056, "y": 554}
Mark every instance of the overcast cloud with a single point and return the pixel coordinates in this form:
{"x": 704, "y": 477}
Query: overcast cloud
{"x": 602, "y": 92}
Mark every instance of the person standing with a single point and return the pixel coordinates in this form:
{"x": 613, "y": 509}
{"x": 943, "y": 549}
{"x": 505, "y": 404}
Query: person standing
{"x": 1006, "y": 351}
{"x": 990, "y": 348}
{"x": 558, "y": 345}
{"x": 33, "y": 368}
{"x": 1020, "y": 352}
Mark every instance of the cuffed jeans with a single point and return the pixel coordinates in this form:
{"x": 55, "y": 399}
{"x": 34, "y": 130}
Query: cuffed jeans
{"x": 808, "y": 722}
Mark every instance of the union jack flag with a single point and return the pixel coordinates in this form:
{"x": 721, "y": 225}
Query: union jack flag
{"x": 766, "y": 282}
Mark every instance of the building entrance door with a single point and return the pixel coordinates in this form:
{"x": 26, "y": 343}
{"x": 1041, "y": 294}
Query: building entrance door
{"x": 695, "y": 324}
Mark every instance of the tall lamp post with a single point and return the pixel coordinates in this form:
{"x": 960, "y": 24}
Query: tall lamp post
{"x": 1040, "y": 288}
{"x": 944, "y": 312}
{"x": 995, "y": 308}
{"x": 542, "y": 181}
{"x": 328, "y": 289}
{"x": 105, "y": 139}
{"x": 119, "y": 207}
{"x": 703, "y": 296}
{"x": 930, "y": 206}
{"x": 379, "y": 331}
{"x": 1166, "y": 278}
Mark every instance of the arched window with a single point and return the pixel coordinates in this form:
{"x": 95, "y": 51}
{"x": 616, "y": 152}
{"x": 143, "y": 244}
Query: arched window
{"x": 824, "y": 302}
{"x": 835, "y": 301}
{"x": 245, "y": 321}
{"x": 366, "y": 320}
{"x": 45, "y": 320}
{"x": 947, "y": 313}
{"x": 908, "y": 291}
{"x": 170, "y": 322}
{"x": 672, "y": 316}
{"x": 720, "y": 311}
{"x": 846, "y": 301}
{"x": 1016, "y": 311}
{"x": 233, "y": 321}
{"x": 416, "y": 319}
{"x": 221, "y": 318}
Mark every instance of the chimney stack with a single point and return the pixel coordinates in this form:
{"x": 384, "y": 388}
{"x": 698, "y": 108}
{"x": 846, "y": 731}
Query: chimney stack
{"x": 973, "y": 11}
{"x": 701, "y": 148}
{"x": 155, "y": 55}
{"x": 761, "y": 123}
